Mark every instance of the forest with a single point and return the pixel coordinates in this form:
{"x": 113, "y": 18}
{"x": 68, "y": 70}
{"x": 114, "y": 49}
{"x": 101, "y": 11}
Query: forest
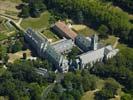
{"x": 126, "y": 5}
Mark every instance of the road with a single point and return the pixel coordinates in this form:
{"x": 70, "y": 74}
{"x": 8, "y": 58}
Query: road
{"x": 116, "y": 43}
{"x": 47, "y": 90}
{"x": 50, "y": 87}
{"x": 20, "y": 20}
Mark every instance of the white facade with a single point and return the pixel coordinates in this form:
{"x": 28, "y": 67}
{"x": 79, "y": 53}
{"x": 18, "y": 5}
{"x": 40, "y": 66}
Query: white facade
{"x": 94, "y": 56}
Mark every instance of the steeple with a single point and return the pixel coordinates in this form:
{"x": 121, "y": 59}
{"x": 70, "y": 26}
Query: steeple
{"x": 95, "y": 42}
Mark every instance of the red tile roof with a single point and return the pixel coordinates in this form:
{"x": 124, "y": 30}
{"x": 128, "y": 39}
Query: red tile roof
{"x": 68, "y": 32}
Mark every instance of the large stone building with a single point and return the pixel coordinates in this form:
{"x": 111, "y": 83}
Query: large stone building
{"x": 44, "y": 49}
{"x": 93, "y": 50}
{"x": 93, "y": 56}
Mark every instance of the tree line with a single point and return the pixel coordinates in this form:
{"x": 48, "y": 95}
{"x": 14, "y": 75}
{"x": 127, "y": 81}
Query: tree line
{"x": 119, "y": 68}
{"x": 32, "y": 8}
{"x": 96, "y": 13}
{"x": 21, "y": 82}
{"x": 126, "y": 5}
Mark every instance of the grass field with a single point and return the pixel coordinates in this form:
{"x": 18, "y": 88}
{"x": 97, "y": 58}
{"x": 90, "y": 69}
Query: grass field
{"x": 37, "y": 23}
{"x": 110, "y": 40}
{"x": 1, "y": 24}
{"x": 18, "y": 55}
{"x": 41, "y": 23}
{"x": 50, "y": 35}
{"x": 3, "y": 36}
{"x": 4, "y": 98}
{"x": 87, "y": 31}
{"x": 89, "y": 95}
{"x": 3, "y": 29}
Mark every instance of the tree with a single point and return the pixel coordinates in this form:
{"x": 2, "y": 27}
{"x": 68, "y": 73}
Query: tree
{"x": 36, "y": 7}
{"x": 24, "y": 55}
{"x": 130, "y": 38}
{"x": 3, "y": 51}
{"x": 52, "y": 96}
{"x": 17, "y": 46}
{"x": 66, "y": 96}
{"x": 103, "y": 30}
{"x": 76, "y": 94}
{"x": 51, "y": 77}
{"x": 126, "y": 97}
{"x": 35, "y": 91}
{"x": 89, "y": 83}
{"x": 108, "y": 91}
{"x": 80, "y": 17}
{"x": 95, "y": 13}
{"x": 126, "y": 5}
{"x": 58, "y": 88}
{"x": 74, "y": 52}
{"x": 25, "y": 11}
{"x": 34, "y": 13}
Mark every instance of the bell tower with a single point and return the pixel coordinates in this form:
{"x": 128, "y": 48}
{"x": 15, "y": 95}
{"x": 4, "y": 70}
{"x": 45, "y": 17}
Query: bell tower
{"x": 95, "y": 42}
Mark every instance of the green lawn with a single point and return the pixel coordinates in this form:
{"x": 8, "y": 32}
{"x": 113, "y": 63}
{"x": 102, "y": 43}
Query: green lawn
{"x": 3, "y": 36}
{"x": 4, "y": 98}
{"x": 89, "y": 95}
{"x": 2, "y": 27}
{"x": 6, "y": 30}
{"x": 37, "y": 23}
{"x": 87, "y": 31}
{"x": 50, "y": 35}
{"x": 110, "y": 40}
{"x": 40, "y": 24}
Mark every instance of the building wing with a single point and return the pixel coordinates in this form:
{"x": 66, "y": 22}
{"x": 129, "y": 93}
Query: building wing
{"x": 83, "y": 43}
{"x": 63, "y": 46}
{"x": 92, "y": 56}
{"x": 45, "y": 50}
{"x": 64, "y": 31}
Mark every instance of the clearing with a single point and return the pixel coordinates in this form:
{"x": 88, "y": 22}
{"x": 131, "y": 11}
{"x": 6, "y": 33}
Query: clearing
{"x": 37, "y": 23}
{"x": 18, "y": 55}
{"x": 4, "y": 98}
{"x": 50, "y": 35}
{"x": 83, "y": 29}
{"x": 89, "y": 95}
{"x": 110, "y": 40}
